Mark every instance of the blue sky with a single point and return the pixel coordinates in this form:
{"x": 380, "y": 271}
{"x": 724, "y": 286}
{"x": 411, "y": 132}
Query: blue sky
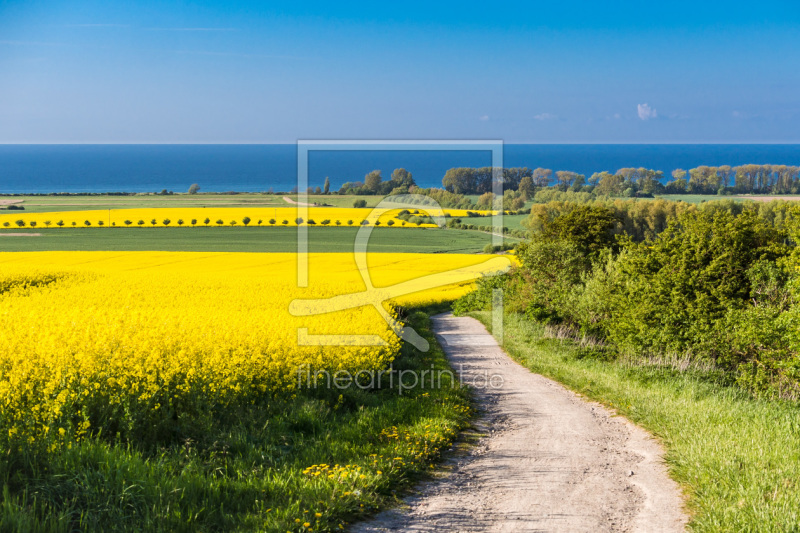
{"x": 560, "y": 72}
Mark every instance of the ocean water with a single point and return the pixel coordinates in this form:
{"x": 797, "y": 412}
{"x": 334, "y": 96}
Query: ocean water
{"x": 151, "y": 168}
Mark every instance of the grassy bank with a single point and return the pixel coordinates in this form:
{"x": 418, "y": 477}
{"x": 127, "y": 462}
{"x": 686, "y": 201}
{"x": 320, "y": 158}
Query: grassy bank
{"x": 240, "y": 239}
{"x": 313, "y": 462}
{"x": 736, "y": 457}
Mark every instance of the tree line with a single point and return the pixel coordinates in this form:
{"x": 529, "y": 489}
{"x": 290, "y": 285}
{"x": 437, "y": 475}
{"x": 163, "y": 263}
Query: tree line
{"x": 631, "y": 182}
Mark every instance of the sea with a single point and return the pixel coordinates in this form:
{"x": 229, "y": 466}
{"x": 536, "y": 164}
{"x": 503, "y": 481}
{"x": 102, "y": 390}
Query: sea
{"x": 103, "y": 168}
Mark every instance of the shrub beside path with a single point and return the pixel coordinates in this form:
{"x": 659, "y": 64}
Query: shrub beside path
{"x": 547, "y": 460}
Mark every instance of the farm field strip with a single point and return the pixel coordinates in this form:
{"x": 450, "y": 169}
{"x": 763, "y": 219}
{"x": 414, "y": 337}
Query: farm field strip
{"x": 212, "y": 216}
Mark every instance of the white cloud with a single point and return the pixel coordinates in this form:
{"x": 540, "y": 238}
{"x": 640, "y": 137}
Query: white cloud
{"x": 484, "y": 118}
{"x": 545, "y": 116}
{"x": 646, "y": 112}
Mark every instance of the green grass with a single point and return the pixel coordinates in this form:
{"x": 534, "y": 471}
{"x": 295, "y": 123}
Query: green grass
{"x": 47, "y": 204}
{"x": 245, "y": 471}
{"x": 239, "y": 239}
{"x": 736, "y": 457}
{"x": 514, "y": 221}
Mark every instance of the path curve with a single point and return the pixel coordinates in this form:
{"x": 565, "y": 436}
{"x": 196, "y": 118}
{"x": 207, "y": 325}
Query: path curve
{"x": 290, "y": 201}
{"x": 548, "y": 459}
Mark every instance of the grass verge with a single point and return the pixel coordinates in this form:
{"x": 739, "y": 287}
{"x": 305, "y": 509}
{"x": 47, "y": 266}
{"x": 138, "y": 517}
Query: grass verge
{"x": 736, "y": 457}
{"x": 313, "y": 462}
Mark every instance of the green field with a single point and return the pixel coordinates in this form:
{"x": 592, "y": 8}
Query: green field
{"x": 46, "y": 204}
{"x": 238, "y": 239}
{"x": 514, "y": 221}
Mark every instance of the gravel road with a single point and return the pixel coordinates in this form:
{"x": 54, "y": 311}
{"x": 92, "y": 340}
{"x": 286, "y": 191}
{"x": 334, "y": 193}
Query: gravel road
{"x": 548, "y": 460}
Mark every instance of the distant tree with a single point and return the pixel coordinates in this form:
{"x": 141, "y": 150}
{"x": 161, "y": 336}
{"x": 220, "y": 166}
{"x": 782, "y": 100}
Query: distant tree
{"x": 128, "y": 222}
{"x": 246, "y": 221}
{"x": 460, "y": 180}
{"x": 87, "y": 223}
{"x": 285, "y": 222}
{"x": 233, "y": 222}
{"x": 6, "y": 224}
{"x": 163, "y": 192}
{"x": 325, "y": 222}
{"x": 486, "y": 200}
{"x": 338, "y": 222}
{"x": 372, "y": 181}
{"x": 311, "y": 222}
{"x": 99, "y": 222}
{"x": 377, "y": 222}
{"x": 608, "y": 184}
{"x": 33, "y": 223}
{"x": 541, "y": 177}
{"x": 153, "y": 222}
{"x": 327, "y": 187}
{"x": 566, "y": 178}
{"x": 317, "y": 191}
{"x": 47, "y": 223}
{"x": 365, "y": 223}
{"x": 194, "y": 222}
{"x": 390, "y": 223}
{"x": 206, "y": 221}
{"x": 166, "y": 221}
{"x": 298, "y": 221}
{"x": 141, "y": 222}
{"x": 74, "y": 223}
{"x": 20, "y": 223}
{"x": 678, "y": 185}
{"x": 220, "y": 222}
{"x": 260, "y": 221}
{"x": 272, "y": 222}
{"x": 349, "y": 222}
{"x": 194, "y": 188}
{"x": 360, "y": 203}
{"x": 526, "y": 187}
{"x": 402, "y": 178}
{"x": 60, "y": 223}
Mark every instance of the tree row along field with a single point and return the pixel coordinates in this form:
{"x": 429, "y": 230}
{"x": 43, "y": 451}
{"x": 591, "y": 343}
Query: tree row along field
{"x": 268, "y": 217}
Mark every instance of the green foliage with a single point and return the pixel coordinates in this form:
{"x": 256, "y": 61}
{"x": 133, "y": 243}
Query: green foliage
{"x": 590, "y": 228}
{"x": 715, "y": 283}
{"x": 676, "y": 291}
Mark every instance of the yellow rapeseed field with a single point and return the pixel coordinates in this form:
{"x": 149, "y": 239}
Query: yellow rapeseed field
{"x": 213, "y": 216}
{"x": 128, "y": 342}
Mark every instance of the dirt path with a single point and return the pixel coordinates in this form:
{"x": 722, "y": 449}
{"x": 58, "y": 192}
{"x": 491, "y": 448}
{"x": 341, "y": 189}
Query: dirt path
{"x": 290, "y": 201}
{"x": 548, "y": 460}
